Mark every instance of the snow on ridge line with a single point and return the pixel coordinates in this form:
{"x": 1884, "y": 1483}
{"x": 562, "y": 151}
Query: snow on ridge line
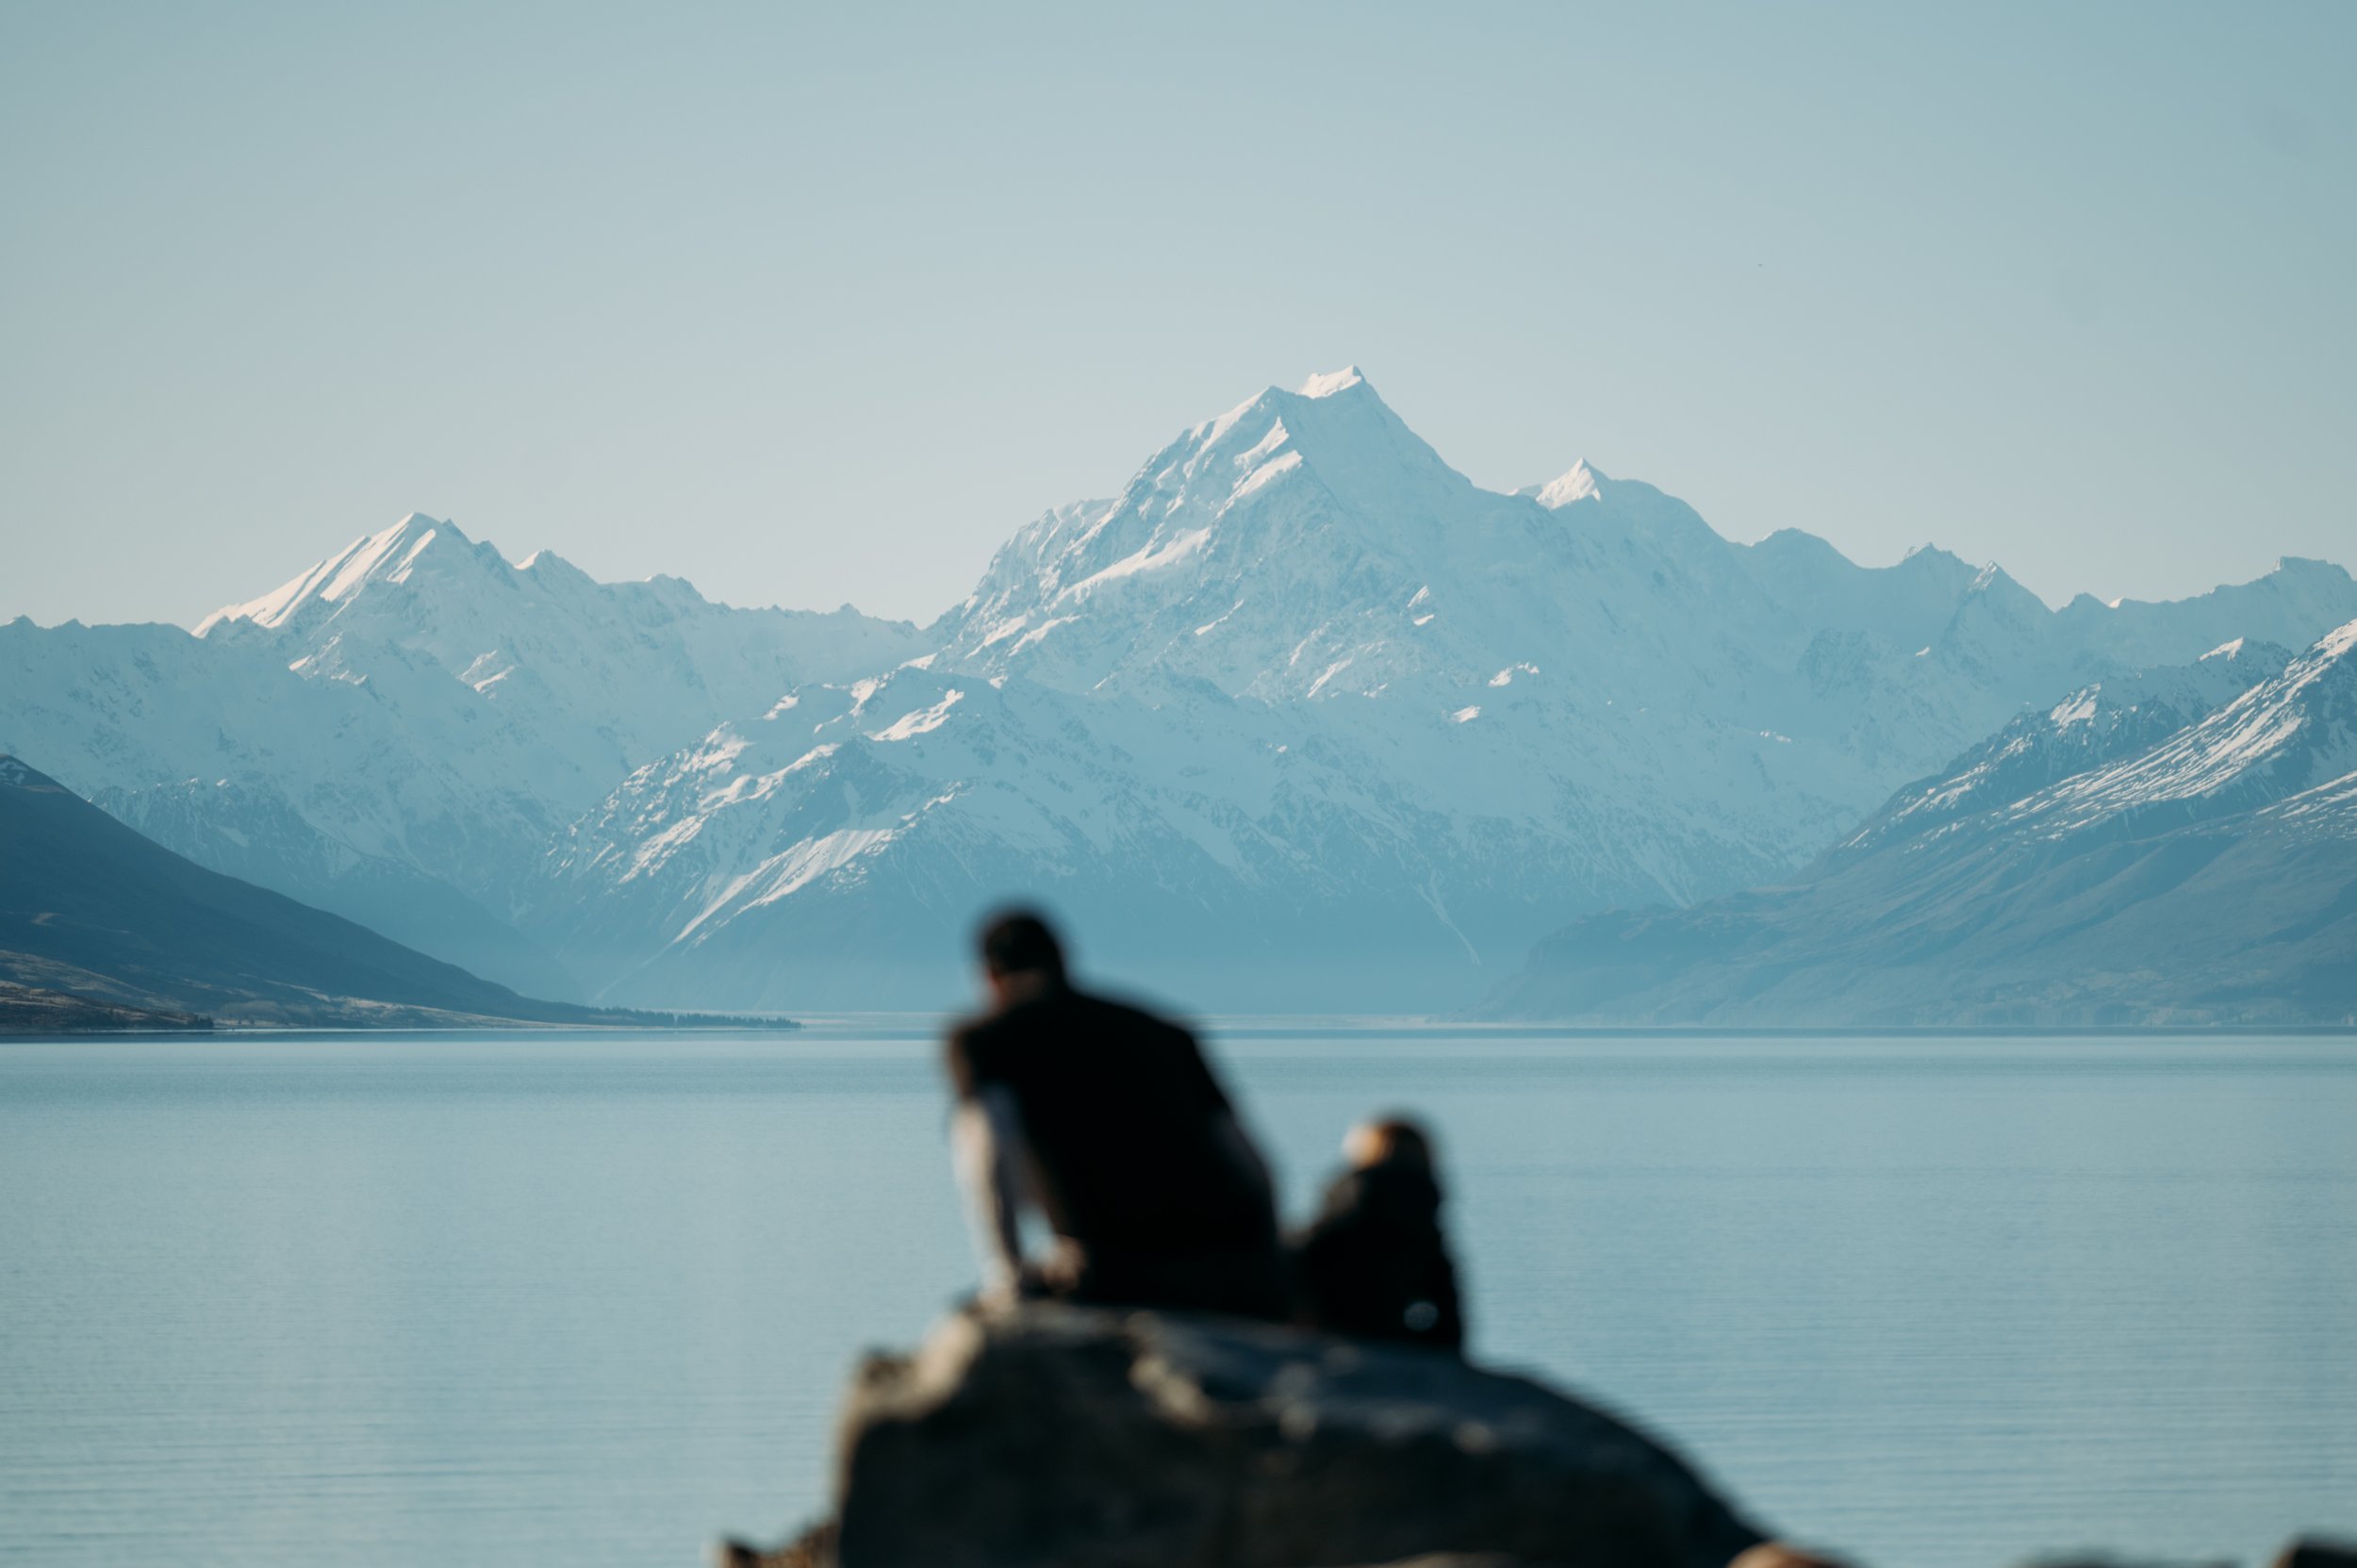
{"x": 2078, "y": 708}
{"x": 1332, "y": 382}
{"x": 1273, "y": 470}
{"x": 1032, "y": 637}
{"x": 790, "y": 871}
{"x": 1576, "y": 482}
{"x": 2205, "y": 756}
{"x": 1324, "y": 384}
{"x": 336, "y": 576}
{"x": 390, "y": 554}
{"x": 1152, "y": 557}
{"x": 923, "y": 720}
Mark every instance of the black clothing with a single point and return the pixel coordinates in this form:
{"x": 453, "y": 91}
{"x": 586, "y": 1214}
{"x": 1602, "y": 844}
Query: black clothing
{"x": 1123, "y": 1122}
{"x": 1375, "y": 1265}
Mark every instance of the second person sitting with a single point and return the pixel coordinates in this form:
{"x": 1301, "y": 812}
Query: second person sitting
{"x": 1374, "y": 1264}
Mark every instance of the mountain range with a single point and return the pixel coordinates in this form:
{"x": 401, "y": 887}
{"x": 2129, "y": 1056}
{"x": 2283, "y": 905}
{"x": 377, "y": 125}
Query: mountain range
{"x": 2174, "y": 848}
{"x": 1302, "y": 718}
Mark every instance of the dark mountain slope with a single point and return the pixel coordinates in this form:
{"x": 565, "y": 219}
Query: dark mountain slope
{"x": 89, "y": 908}
{"x": 26, "y": 1011}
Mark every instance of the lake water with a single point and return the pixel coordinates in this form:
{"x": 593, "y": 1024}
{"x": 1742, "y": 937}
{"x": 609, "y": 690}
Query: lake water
{"x": 448, "y": 1301}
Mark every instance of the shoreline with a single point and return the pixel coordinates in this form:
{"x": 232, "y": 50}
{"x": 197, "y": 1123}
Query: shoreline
{"x": 1258, "y": 1028}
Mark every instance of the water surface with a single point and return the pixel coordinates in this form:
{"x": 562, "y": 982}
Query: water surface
{"x": 456, "y": 1301}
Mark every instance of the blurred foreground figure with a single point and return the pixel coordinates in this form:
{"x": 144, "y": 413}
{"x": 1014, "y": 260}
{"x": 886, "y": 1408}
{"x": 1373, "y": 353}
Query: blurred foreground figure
{"x": 1106, "y": 1120}
{"x": 1374, "y": 1264}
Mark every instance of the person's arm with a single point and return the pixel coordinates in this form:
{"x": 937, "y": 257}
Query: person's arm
{"x": 986, "y": 1142}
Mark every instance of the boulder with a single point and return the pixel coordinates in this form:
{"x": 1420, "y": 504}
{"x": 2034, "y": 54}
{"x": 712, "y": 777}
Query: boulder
{"x": 2311, "y": 1553}
{"x": 1055, "y": 1435}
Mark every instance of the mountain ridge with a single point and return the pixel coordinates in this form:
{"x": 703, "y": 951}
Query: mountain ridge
{"x": 1364, "y": 706}
{"x": 2181, "y": 849}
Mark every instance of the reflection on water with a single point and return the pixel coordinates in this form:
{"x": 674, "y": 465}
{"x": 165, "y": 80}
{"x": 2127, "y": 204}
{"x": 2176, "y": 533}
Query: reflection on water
{"x": 449, "y": 1300}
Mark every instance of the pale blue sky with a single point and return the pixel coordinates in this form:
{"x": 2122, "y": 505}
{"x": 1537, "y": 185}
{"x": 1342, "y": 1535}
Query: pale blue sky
{"x": 815, "y": 306}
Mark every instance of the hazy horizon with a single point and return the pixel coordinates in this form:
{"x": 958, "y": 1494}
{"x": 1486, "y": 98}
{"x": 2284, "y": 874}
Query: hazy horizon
{"x": 813, "y": 309}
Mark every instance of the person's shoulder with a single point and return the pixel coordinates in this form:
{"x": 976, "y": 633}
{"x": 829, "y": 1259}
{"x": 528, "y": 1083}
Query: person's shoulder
{"x": 1347, "y": 1193}
{"x": 974, "y": 1047}
{"x": 963, "y": 1032}
{"x": 1130, "y": 1017}
{"x": 1002, "y": 1033}
{"x": 974, "y": 1025}
{"x": 1397, "y": 1195}
{"x": 1340, "y": 1220}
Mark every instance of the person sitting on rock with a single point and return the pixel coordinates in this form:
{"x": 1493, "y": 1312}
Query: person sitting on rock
{"x": 1373, "y": 1264}
{"x": 1107, "y": 1121}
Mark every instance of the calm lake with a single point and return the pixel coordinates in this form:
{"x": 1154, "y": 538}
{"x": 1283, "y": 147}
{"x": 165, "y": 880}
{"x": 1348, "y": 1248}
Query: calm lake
{"x": 442, "y": 1300}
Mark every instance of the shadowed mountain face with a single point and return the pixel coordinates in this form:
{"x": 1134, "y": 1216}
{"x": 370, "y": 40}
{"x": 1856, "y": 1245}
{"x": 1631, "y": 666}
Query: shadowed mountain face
{"x": 1301, "y": 719}
{"x": 89, "y": 908}
{"x": 2177, "y": 847}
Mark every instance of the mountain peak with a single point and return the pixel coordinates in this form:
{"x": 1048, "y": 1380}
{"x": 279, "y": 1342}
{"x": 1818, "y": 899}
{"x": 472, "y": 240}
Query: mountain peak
{"x": 1337, "y": 426}
{"x": 388, "y": 553}
{"x": 1332, "y": 382}
{"x": 1576, "y": 482}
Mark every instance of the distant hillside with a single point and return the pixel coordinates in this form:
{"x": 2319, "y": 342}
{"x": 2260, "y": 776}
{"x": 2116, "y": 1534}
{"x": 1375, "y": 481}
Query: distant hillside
{"x": 93, "y": 913}
{"x": 26, "y": 1011}
{"x": 2175, "y": 848}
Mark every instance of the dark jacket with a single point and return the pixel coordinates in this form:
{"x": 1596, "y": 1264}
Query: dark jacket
{"x": 1135, "y": 1152}
{"x": 1374, "y": 1264}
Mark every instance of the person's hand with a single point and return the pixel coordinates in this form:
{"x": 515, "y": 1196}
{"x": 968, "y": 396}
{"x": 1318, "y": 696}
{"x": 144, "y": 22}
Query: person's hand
{"x": 1781, "y": 1554}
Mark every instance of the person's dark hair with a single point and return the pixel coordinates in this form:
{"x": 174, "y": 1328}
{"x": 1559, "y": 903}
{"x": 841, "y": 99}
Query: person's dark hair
{"x": 1019, "y": 942}
{"x": 1401, "y": 1138}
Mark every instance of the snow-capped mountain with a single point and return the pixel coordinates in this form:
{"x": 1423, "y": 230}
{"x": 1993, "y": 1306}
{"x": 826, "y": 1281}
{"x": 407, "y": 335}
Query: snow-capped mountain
{"x": 1421, "y": 723}
{"x": 396, "y": 735}
{"x": 835, "y": 850}
{"x": 2278, "y": 741}
{"x": 554, "y": 686}
{"x": 2199, "y": 864}
{"x": 2115, "y": 718}
{"x": 1300, "y": 717}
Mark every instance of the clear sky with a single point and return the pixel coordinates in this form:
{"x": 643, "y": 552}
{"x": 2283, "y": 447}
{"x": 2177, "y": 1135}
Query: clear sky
{"x": 810, "y": 305}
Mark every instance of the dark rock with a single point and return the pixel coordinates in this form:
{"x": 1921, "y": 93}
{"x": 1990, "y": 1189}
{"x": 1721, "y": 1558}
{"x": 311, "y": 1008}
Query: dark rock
{"x": 1057, "y": 1436}
{"x": 2103, "y": 1559}
{"x": 1782, "y": 1554}
{"x": 812, "y": 1548}
{"x": 2309, "y": 1553}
